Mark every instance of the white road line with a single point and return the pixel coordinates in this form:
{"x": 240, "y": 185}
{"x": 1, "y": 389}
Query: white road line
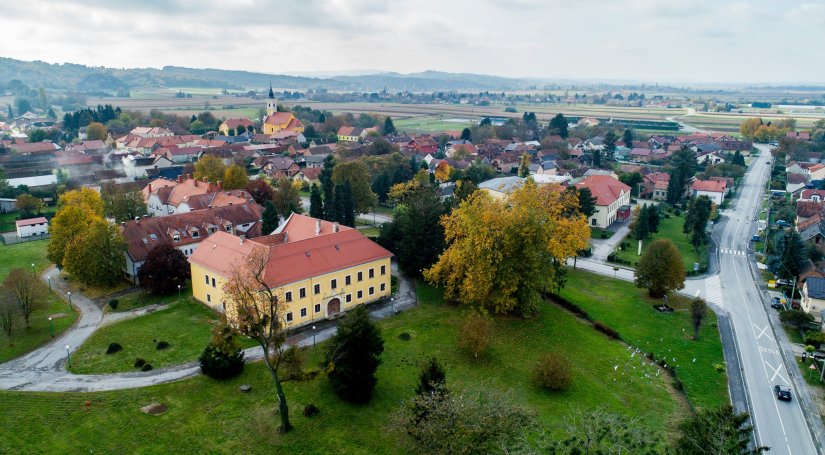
{"x": 762, "y": 331}
{"x": 777, "y": 373}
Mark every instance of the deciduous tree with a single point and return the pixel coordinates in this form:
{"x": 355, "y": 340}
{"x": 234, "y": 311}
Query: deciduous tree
{"x": 96, "y": 255}
{"x": 29, "y": 205}
{"x": 8, "y": 312}
{"x": 524, "y": 166}
{"x": 660, "y": 269}
{"x": 164, "y": 269}
{"x": 27, "y": 291}
{"x": 96, "y": 131}
{"x": 797, "y": 318}
{"x": 260, "y": 190}
{"x": 475, "y": 334}
{"x": 260, "y": 315}
{"x": 698, "y": 310}
{"x": 210, "y": 167}
{"x": 353, "y": 356}
{"x": 122, "y": 203}
{"x": 432, "y": 378}
{"x": 789, "y": 255}
{"x": 443, "y": 170}
{"x": 598, "y": 431}
{"x": 234, "y": 178}
{"x": 716, "y": 431}
{"x": 76, "y": 209}
{"x": 358, "y": 176}
{"x": 287, "y": 197}
{"x": 534, "y": 232}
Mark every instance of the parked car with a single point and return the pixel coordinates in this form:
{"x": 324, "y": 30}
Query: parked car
{"x": 776, "y": 303}
{"x": 755, "y": 238}
{"x": 782, "y": 223}
{"x": 782, "y": 393}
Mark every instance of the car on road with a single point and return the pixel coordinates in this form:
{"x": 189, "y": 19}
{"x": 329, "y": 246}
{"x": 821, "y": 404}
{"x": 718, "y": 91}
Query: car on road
{"x": 782, "y": 393}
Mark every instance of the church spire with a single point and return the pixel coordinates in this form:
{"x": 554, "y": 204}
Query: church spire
{"x": 271, "y": 93}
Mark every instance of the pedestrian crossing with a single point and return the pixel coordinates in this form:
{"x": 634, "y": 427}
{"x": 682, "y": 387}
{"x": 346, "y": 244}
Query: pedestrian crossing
{"x": 733, "y": 252}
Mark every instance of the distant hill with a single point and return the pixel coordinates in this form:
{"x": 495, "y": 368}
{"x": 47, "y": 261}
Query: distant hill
{"x": 89, "y": 79}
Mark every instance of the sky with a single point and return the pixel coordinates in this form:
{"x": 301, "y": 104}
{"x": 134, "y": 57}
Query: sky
{"x": 696, "y": 41}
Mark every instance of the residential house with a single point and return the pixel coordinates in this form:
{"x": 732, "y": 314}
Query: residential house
{"x": 277, "y": 166}
{"x": 151, "y": 132}
{"x": 612, "y": 199}
{"x": 817, "y": 171}
{"x": 808, "y": 209}
{"x": 812, "y": 195}
{"x": 812, "y": 231}
{"x": 501, "y": 187}
{"x": 135, "y": 167}
{"x": 232, "y": 124}
{"x": 36, "y": 148}
{"x": 180, "y": 155}
{"x": 185, "y": 231}
{"x": 641, "y": 155}
{"x": 168, "y": 197}
{"x": 351, "y": 134}
{"x": 654, "y": 186}
{"x": 424, "y": 145}
{"x": 319, "y": 269}
{"x": 813, "y": 297}
{"x": 309, "y": 175}
{"x": 714, "y": 189}
{"x": 32, "y": 227}
{"x": 798, "y": 135}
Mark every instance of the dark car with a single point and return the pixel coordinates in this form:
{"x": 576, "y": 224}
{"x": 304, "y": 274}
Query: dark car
{"x": 755, "y": 238}
{"x": 776, "y": 303}
{"x": 782, "y": 223}
{"x": 782, "y": 393}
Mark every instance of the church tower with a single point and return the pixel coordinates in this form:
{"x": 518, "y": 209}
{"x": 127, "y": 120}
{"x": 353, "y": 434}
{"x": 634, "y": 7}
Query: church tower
{"x": 271, "y": 105}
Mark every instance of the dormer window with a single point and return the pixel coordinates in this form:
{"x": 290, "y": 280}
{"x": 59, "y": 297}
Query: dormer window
{"x": 176, "y": 237}
{"x": 195, "y": 233}
{"x": 211, "y": 230}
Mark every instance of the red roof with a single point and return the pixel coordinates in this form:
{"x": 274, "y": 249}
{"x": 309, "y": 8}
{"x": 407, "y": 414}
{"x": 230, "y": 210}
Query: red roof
{"x": 809, "y": 193}
{"x": 278, "y": 118}
{"x": 234, "y": 123}
{"x": 31, "y": 221}
{"x": 604, "y": 188}
{"x": 710, "y": 186}
{"x": 293, "y": 261}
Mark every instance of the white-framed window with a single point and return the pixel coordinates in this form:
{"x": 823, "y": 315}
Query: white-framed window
{"x": 360, "y": 295}
{"x": 303, "y": 312}
{"x": 372, "y": 273}
{"x": 289, "y": 317}
{"x": 372, "y": 290}
{"x": 383, "y": 270}
{"x": 317, "y": 289}
{"x": 208, "y": 298}
{"x": 317, "y": 307}
{"x": 288, "y": 296}
{"x": 333, "y": 284}
{"x": 383, "y": 286}
{"x": 349, "y": 298}
{"x": 302, "y": 293}
{"x": 347, "y": 280}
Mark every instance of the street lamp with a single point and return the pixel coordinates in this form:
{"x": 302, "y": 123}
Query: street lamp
{"x": 313, "y": 336}
{"x": 70, "y": 297}
{"x": 178, "y": 293}
{"x": 32, "y": 268}
{"x": 51, "y": 326}
{"x": 68, "y": 357}
{"x": 50, "y": 284}
{"x": 392, "y": 306}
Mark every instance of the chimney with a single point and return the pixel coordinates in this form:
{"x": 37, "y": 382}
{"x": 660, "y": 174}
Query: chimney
{"x": 334, "y": 227}
{"x": 180, "y": 178}
{"x": 188, "y": 176}
{"x": 123, "y": 224}
{"x": 286, "y": 237}
{"x": 317, "y": 227}
{"x": 137, "y": 220}
{"x": 150, "y": 187}
{"x": 242, "y": 237}
{"x": 220, "y": 185}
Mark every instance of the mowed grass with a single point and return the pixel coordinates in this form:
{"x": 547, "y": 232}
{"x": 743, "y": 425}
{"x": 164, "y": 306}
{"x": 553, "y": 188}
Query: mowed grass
{"x": 141, "y": 298}
{"x": 671, "y": 229}
{"x": 185, "y": 326}
{"x": 430, "y": 124}
{"x": 23, "y": 340}
{"x": 207, "y": 416}
{"x": 629, "y": 310}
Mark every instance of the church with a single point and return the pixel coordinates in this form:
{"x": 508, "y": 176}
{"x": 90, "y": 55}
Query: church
{"x": 275, "y": 121}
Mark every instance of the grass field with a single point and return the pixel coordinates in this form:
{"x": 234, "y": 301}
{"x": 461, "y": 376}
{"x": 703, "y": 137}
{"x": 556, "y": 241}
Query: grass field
{"x": 7, "y": 219}
{"x": 141, "y": 298}
{"x": 211, "y": 416}
{"x": 23, "y": 340}
{"x": 630, "y": 311}
{"x": 671, "y": 229}
{"x": 185, "y": 326}
{"x": 431, "y": 124}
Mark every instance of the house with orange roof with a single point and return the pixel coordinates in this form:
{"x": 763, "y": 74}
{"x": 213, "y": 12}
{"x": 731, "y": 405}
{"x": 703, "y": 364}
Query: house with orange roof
{"x": 716, "y": 190}
{"x": 612, "y": 199}
{"x": 318, "y": 269}
{"x": 232, "y": 124}
{"x": 351, "y": 134}
{"x": 654, "y": 186}
{"x": 165, "y": 197}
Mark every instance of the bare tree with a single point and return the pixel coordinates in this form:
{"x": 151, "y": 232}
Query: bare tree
{"x": 259, "y": 315}
{"x": 8, "y": 311}
{"x": 28, "y": 293}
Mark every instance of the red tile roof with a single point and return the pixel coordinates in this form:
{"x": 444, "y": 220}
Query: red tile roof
{"x": 31, "y": 221}
{"x": 711, "y": 186}
{"x": 278, "y": 118}
{"x": 234, "y": 123}
{"x": 295, "y": 260}
{"x": 808, "y": 193}
{"x": 604, "y": 188}
{"x": 807, "y": 209}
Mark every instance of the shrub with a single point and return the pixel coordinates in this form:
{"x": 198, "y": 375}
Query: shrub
{"x": 474, "y": 334}
{"x": 146, "y": 367}
{"x": 162, "y": 345}
{"x": 569, "y": 306}
{"x": 552, "y": 372}
{"x": 311, "y": 410}
{"x": 677, "y": 212}
{"x": 720, "y": 368}
{"x": 814, "y": 339}
{"x": 113, "y": 304}
{"x": 404, "y": 336}
{"x": 607, "y": 330}
{"x": 222, "y": 358}
{"x": 114, "y": 347}
{"x": 139, "y": 362}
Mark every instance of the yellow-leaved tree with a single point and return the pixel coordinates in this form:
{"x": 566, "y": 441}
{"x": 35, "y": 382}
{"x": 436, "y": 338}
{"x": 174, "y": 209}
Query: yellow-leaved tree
{"x": 503, "y": 254}
{"x": 443, "y": 171}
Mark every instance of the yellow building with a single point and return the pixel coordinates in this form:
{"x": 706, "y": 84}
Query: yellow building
{"x": 233, "y": 124}
{"x": 279, "y": 121}
{"x": 319, "y": 269}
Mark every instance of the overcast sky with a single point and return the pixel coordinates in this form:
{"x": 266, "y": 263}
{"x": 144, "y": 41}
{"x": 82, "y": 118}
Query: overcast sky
{"x": 648, "y": 40}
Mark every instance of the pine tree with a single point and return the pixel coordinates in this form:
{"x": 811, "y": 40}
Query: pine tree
{"x": 270, "y": 218}
{"x": 389, "y": 127}
{"x": 610, "y": 144}
{"x": 653, "y": 219}
{"x": 627, "y": 138}
{"x": 353, "y": 356}
{"x": 558, "y": 125}
{"x": 466, "y": 135}
{"x": 328, "y": 188}
{"x": 316, "y": 205}
{"x": 641, "y": 228}
{"x": 597, "y": 158}
{"x": 432, "y": 378}
{"x": 345, "y": 205}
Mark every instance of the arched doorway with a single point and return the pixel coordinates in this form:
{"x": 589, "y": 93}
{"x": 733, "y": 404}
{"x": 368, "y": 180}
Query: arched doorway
{"x": 333, "y": 307}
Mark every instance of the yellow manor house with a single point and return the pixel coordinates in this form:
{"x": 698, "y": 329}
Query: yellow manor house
{"x": 320, "y": 269}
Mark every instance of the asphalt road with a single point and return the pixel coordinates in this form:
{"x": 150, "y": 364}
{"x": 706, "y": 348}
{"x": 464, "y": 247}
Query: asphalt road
{"x": 779, "y": 425}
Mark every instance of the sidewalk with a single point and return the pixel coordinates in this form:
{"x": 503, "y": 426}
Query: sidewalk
{"x": 44, "y": 368}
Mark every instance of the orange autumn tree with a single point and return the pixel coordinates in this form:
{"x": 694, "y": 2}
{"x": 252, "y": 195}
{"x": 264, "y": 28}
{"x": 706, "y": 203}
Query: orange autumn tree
{"x": 443, "y": 170}
{"x": 503, "y": 254}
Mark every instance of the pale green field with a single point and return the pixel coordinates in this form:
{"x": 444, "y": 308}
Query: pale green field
{"x": 429, "y": 124}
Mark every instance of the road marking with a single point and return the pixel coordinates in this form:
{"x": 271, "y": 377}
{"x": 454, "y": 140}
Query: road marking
{"x": 762, "y": 331}
{"x": 769, "y": 350}
{"x": 776, "y": 372}
{"x": 697, "y": 293}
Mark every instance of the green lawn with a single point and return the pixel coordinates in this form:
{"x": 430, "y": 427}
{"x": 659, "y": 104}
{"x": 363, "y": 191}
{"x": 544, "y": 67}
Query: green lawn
{"x": 370, "y": 231}
{"x": 7, "y": 219}
{"x": 627, "y": 309}
{"x": 141, "y": 298}
{"x": 433, "y": 124}
{"x": 23, "y": 255}
{"x": 211, "y": 416}
{"x": 599, "y": 233}
{"x": 23, "y": 340}
{"x": 669, "y": 228}
{"x": 185, "y": 326}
